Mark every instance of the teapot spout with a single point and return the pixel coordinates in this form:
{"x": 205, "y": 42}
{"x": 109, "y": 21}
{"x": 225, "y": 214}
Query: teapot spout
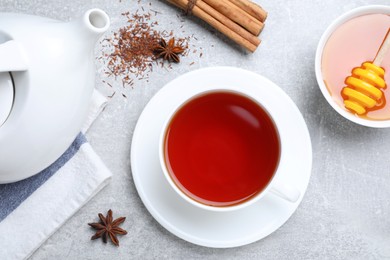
{"x": 94, "y": 23}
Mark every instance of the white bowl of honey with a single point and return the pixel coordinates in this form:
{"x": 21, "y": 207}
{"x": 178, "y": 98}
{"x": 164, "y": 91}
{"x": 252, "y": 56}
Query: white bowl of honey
{"x": 353, "y": 65}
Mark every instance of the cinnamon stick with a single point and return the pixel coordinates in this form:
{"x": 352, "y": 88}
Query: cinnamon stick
{"x": 229, "y": 23}
{"x": 251, "y": 8}
{"x": 237, "y": 15}
{"x": 198, "y": 12}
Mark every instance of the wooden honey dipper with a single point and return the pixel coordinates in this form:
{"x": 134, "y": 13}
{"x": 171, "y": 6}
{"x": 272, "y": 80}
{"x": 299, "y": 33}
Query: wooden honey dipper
{"x": 365, "y": 86}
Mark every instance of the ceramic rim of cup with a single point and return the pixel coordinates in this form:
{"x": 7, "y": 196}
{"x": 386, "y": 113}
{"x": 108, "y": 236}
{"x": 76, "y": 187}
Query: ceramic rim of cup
{"x": 364, "y": 10}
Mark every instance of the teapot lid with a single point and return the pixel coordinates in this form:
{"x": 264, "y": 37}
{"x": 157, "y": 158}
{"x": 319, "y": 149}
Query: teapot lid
{"x": 6, "y": 96}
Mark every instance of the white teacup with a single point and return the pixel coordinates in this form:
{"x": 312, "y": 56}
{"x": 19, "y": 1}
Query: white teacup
{"x": 243, "y": 84}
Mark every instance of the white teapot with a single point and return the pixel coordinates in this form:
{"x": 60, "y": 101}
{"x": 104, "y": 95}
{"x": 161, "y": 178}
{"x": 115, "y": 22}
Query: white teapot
{"x": 47, "y": 76}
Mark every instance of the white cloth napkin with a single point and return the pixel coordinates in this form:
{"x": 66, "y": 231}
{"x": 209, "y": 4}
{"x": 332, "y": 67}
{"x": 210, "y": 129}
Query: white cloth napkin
{"x": 28, "y": 226}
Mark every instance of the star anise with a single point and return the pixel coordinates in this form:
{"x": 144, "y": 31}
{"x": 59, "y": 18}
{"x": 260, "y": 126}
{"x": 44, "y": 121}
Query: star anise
{"x": 168, "y": 51}
{"x": 107, "y": 227}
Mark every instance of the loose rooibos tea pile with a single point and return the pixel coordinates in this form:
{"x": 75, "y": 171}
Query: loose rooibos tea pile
{"x": 133, "y": 48}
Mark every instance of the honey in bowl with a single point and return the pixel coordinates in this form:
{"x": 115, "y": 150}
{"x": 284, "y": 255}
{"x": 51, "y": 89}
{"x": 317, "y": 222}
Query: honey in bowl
{"x": 221, "y": 149}
{"x": 352, "y": 44}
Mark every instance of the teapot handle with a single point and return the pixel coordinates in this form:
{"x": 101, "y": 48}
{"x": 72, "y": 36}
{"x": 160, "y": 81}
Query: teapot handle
{"x": 12, "y": 57}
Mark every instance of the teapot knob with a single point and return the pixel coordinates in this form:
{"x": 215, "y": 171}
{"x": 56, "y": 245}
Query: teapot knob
{"x": 12, "y": 57}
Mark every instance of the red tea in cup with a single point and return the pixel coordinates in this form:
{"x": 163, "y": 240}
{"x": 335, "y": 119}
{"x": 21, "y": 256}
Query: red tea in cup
{"x": 221, "y": 149}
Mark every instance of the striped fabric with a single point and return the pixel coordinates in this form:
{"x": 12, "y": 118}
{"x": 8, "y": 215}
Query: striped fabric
{"x": 13, "y": 194}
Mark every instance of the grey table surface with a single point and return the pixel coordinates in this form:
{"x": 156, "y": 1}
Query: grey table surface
{"x": 345, "y": 213}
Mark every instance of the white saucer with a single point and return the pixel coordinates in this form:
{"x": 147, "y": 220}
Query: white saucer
{"x": 195, "y": 225}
